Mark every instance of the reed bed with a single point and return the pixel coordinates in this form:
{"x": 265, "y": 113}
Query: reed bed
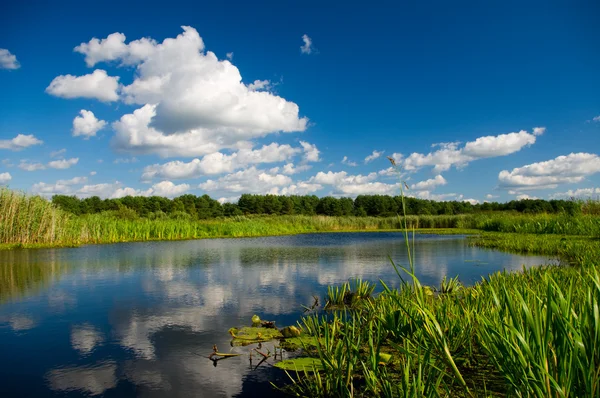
{"x": 532, "y": 333}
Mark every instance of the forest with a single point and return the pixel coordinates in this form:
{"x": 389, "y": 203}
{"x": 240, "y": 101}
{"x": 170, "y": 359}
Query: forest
{"x": 205, "y": 207}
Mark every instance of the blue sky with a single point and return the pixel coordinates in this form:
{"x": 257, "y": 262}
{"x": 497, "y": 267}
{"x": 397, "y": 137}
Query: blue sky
{"x": 474, "y": 100}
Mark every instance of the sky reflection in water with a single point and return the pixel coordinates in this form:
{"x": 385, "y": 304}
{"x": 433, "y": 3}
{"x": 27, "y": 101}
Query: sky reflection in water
{"x": 140, "y": 318}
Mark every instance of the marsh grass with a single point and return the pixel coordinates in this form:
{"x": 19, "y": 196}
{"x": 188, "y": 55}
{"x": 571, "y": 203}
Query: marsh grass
{"x": 531, "y": 333}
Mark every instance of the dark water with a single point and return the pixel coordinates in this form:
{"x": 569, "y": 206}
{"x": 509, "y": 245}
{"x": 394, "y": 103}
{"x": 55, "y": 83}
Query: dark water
{"x": 139, "y": 319}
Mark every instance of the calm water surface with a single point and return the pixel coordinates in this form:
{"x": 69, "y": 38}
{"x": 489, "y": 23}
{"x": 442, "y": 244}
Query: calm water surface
{"x": 139, "y": 319}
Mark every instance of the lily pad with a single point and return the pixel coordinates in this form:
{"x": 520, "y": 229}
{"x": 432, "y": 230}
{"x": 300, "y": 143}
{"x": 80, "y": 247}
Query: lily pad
{"x": 295, "y": 343}
{"x": 254, "y": 334}
{"x": 301, "y": 364}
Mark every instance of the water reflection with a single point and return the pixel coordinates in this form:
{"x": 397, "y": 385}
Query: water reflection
{"x": 141, "y": 318}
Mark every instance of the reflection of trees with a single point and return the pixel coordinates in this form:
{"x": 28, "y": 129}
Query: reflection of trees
{"x": 21, "y": 277}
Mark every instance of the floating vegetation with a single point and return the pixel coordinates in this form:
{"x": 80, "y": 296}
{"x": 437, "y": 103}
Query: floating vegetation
{"x": 300, "y": 364}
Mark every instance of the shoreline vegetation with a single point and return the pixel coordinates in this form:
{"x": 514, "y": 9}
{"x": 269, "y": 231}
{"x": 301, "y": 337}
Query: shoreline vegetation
{"x": 32, "y": 221}
{"x": 530, "y": 333}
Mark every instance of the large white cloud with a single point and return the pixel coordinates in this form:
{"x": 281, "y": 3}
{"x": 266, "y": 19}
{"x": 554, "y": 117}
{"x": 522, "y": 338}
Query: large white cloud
{"x": 163, "y": 188}
{"x": 217, "y": 162}
{"x": 450, "y": 154}
{"x": 87, "y": 125}
{"x": 193, "y": 103}
{"x": 94, "y": 85}
{"x": 5, "y": 177}
{"x": 20, "y": 142}
{"x": 571, "y": 168}
{"x": 8, "y": 60}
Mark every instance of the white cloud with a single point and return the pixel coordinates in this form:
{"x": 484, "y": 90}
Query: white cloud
{"x": 250, "y": 180}
{"x": 163, "y": 188}
{"x": 299, "y": 188}
{"x": 63, "y": 163}
{"x": 5, "y": 177}
{"x": 95, "y": 85}
{"x": 307, "y": 47}
{"x": 524, "y": 196}
{"x": 218, "y": 163}
{"x": 114, "y": 48}
{"x": 596, "y": 119}
{"x": 58, "y": 153}
{"x": 291, "y": 169}
{"x": 471, "y": 201}
{"x": 348, "y": 162}
{"x": 196, "y": 104}
{"x": 571, "y": 168}
{"x": 311, "y": 153}
{"x": 450, "y": 154}
{"x": 25, "y": 165}
{"x": 92, "y": 173}
{"x": 373, "y": 156}
{"x": 259, "y": 85}
{"x": 490, "y": 196}
{"x": 73, "y": 181}
{"x": 430, "y": 184}
{"x": 353, "y": 185}
{"x": 87, "y": 125}
{"x": 229, "y": 56}
{"x": 8, "y": 60}
{"x": 20, "y": 142}
{"x": 578, "y": 193}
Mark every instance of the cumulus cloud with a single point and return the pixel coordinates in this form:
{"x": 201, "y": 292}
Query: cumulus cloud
{"x": 348, "y": 162}
{"x": 298, "y": 188}
{"x": 218, "y": 163}
{"x": 290, "y": 168}
{"x": 114, "y": 48}
{"x": 87, "y": 125}
{"x": 524, "y": 196}
{"x": 5, "y": 177}
{"x": 450, "y": 154}
{"x": 345, "y": 184}
{"x": 20, "y": 142}
{"x": 259, "y": 85}
{"x": 63, "y": 163}
{"x": 229, "y": 56}
{"x": 311, "y": 153}
{"x": 25, "y": 165}
{"x": 490, "y": 196}
{"x": 430, "y": 184}
{"x": 373, "y": 156}
{"x": 193, "y": 103}
{"x": 8, "y": 60}
{"x": 596, "y": 119}
{"x": 163, "y": 188}
{"x": 571, "y": 168}
{"x": 95, "y": 85}
{"x": 577, "y": 193}
{"x": 250, "y": 180}
{"x": 307, "y": 47}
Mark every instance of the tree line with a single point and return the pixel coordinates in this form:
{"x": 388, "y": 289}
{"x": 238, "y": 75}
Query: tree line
{"x": 204, "y": 207}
